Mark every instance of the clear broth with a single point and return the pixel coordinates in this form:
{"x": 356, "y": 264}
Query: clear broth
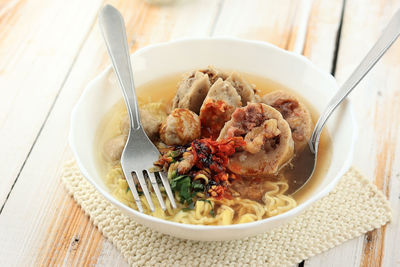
{"x": 164, "y": 90}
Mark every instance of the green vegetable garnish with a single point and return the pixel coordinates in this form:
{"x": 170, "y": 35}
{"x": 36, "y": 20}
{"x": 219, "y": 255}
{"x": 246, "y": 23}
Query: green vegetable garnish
{"x": 197, "y": 186}
{"x": 175, "y": 180}
{"x": 182, "y": 185}
{"x": 185, "y": 188}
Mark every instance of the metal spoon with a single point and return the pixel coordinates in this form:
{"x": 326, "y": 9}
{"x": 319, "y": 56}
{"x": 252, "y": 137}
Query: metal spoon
{"x": 389, "y": 35}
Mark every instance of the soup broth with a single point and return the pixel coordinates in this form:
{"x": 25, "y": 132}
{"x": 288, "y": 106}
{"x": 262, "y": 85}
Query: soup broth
{"x": 163, "y": 90}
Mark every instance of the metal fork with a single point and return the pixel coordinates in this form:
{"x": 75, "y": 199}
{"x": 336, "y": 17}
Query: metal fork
{"x": 139, "y": 152}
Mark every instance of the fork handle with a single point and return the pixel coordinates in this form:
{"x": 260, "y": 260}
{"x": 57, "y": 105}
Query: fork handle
{"x": 113, "y": 28}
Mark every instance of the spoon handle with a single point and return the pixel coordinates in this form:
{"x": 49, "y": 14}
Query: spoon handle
{"x": 389, "y": 35}
{"x": 113, "y": 29}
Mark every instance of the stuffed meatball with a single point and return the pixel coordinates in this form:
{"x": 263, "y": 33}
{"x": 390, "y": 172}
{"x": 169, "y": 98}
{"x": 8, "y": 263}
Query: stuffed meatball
{"x": 269, "y": 143}
{"x": 295, "y": 113}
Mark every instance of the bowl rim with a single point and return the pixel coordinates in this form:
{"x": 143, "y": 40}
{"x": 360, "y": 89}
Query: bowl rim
{"x": 289, "y": 214}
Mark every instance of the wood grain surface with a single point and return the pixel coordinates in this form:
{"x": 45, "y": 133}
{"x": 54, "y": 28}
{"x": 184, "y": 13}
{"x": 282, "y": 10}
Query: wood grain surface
{"x": 377, "y": 101}
{"x": 50, "y": 50}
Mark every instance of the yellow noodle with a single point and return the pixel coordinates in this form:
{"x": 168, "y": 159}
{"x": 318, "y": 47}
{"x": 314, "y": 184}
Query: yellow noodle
{"x": 228, "y": 211}
{"x": 211, "y": 212}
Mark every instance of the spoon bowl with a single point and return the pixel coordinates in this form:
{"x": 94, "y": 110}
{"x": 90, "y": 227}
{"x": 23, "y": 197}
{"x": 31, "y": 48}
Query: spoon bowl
{"x": 308, "y": 157}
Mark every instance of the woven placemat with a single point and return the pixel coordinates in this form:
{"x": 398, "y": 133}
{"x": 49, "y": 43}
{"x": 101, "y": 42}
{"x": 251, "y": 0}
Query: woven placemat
{"x": 353, "y": 208}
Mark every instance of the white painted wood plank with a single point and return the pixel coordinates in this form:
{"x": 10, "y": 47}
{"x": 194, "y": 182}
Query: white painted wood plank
{"x": 377, "y": 104}
{"x": 377, "y": 150}
{"x": 23, "y": 228}
{"x": 38, "y": 44}
{"x": 277, "y": 22}
{"x": 87, "y": 65}
{"x": 110, "y": 256}
{"x": 322, "y": 29}
{"x": 346, "y": 254}
{"x": 38, "y": 215}
{"x": 320, "y": 44}
{"x": 320, "y": 49}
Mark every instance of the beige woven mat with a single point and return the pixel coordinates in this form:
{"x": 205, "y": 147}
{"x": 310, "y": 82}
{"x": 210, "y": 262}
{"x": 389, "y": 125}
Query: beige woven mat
{"x": 354, "y": 207}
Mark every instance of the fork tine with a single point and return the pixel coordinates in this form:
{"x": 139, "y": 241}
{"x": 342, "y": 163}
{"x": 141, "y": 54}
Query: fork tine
{"x": 154, "y": 183}
{"x": 143, "y": 185}
{"x": 167, "y": 187}
{"x": 132, "y": 186}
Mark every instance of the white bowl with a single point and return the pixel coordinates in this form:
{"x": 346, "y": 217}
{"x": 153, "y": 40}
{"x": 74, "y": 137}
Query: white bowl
{"x": 258, "y": 58}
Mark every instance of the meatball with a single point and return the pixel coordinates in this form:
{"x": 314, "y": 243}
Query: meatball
{"x": 180, "y": 128}
{"x": 217, "y": 108}
{"x": 295, "y": 113}
{"x": 191, "y": 91}
{"x": 214, "y": 74}
{"x": 124, "y": 125}
{"x": 244, "y": 89}
{"x": 151, "y": 117}
{"x": 269, "y": 143}
{"x": 112, "y": 149}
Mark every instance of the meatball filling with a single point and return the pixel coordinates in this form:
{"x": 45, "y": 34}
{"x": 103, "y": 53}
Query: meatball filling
{"x": 269, "y": 144}
{"x": 295, "y": 113}
{"x": 263, "y": 136}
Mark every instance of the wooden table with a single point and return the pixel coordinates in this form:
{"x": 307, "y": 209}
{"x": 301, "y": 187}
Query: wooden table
{"x": 50, "y": 50}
